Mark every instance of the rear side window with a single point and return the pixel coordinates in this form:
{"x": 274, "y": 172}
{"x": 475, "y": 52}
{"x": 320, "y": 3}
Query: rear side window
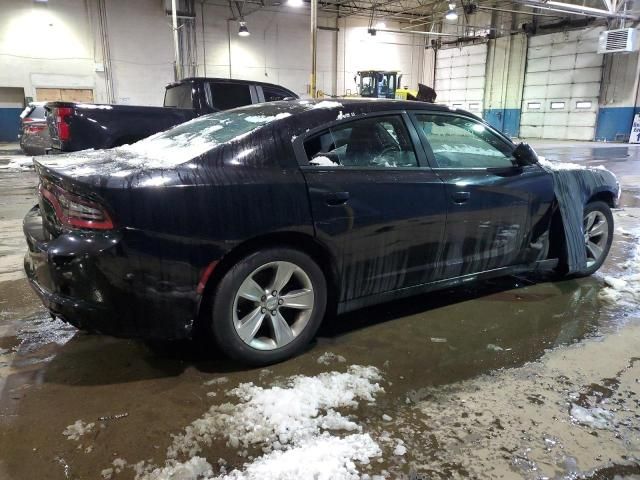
{"x": 272, "y": 94}
{"x": 369, "y": 143}
{"x": 225, "y": 96}
{"x": 178, "y": 96}
{"x": 459, "y": 142}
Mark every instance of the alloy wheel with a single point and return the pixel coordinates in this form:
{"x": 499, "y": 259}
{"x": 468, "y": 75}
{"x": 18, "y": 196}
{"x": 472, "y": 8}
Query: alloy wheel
{"x": 273, "y": 305}
{"x": 596, "y": 234}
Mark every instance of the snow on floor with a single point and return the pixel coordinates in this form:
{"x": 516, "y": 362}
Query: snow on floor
{"x": 77, "y": 429}
{"x": 625, "y": 289}
{"x": 19, "y": 163}
{"x": 295, "y": 425}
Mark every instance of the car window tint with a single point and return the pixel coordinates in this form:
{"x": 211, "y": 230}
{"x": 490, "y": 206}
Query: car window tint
{"x": 368, "y": 143}
{"x": 37, "y": 113}
{"x": 178, "y": 96}
{"x": 229, "y": 95}
{"x": 272, "y": 94}
{"x": 459, "y": 142}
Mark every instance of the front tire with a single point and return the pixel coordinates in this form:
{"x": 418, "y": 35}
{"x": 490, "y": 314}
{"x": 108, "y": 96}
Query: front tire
{"x": 598, "y": 235}
{"x": 269, "y": 306}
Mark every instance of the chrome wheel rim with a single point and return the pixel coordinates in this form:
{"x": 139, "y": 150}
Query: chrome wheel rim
{"x": 596, "y": 235}
{"x": 273, "y": 305}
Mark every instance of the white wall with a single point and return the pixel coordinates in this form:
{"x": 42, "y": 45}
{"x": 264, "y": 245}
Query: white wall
{"x": 277, "y": 51}
{"x": 45, "y": 46}
{"x": 57, "y": 44}
{"x": 357, "y": 50}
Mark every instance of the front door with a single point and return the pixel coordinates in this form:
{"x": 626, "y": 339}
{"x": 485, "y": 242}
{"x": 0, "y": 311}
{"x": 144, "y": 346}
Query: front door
{"x": 380, "y": 213}
{"x": 494, "y": 207}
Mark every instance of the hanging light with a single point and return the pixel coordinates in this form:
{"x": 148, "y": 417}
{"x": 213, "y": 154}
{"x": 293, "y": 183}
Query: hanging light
{"x": 381, "y": 25}
{"x": 451, "y": 14}
{"x": 295, "y": 3}
{"x": 243, "y": 31}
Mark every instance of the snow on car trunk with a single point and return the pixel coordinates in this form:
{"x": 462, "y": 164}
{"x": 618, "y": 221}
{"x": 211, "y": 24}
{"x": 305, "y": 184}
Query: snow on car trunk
{"x": 296, "y": 426}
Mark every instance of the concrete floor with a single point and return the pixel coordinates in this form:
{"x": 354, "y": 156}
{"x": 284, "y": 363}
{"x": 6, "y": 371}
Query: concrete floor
{"x": 508, "y": 379}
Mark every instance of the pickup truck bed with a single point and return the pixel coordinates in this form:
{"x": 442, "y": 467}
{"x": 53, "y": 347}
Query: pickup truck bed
{"x": 79, "y": 126}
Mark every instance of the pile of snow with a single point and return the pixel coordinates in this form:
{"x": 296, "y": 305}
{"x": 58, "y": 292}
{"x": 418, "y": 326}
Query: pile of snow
{"x": 327, "y": 104}
{"x": 328, "y": 357}
{"x": 262, "y": 119}
{"x": 595, "y": 417}
{"x": 292, "y": 424}
{"x": 323, "y": 161}
{"x": 556, "y": 166}
{"x": 19, "y": 163}
{"x": 77, "y": 429}
{"x": 625, "y": 289}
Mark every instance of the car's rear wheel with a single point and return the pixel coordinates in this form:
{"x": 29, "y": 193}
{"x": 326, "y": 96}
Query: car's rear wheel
{"x": 598, "y": 235}
{"x": 269, "y": 306}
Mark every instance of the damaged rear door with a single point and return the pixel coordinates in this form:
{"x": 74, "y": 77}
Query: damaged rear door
{"x": 495, "y": 208}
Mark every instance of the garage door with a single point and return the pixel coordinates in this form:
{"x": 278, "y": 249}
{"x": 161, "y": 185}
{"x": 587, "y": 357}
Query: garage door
{"x": 561, "y": 86}
{"x": 82, "y": 95}
{"x": 460, "y": 76}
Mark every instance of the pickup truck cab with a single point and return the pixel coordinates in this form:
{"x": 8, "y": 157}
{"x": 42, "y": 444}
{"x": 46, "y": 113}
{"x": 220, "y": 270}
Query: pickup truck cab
{"x": 78, "y": 126}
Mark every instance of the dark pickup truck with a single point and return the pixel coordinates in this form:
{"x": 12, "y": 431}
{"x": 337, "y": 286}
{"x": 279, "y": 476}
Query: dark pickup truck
{"x": 78, "y": 126}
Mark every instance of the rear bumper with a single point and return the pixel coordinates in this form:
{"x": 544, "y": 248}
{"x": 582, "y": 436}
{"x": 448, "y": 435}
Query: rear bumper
{"x": 91, "y": 281}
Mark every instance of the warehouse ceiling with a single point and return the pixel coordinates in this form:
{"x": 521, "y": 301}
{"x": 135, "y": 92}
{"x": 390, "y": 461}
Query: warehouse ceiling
{"x": 436, "y": 9}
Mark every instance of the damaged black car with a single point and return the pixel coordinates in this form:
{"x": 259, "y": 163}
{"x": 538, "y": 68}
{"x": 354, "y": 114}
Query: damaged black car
{"x": 252, "y": 224}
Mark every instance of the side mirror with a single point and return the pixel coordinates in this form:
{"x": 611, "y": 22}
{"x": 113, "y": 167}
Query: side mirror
{"x": 525, "y": 155}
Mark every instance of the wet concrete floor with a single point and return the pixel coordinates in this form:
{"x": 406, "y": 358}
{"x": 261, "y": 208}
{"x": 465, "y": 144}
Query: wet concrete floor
{"x": 514, "y": 378}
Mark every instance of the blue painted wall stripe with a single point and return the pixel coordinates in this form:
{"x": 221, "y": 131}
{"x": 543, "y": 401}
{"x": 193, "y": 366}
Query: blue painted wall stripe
{"x": 614, "y": 123}
{"x": 9, "y": 124}
{"x": 506, "y": 120}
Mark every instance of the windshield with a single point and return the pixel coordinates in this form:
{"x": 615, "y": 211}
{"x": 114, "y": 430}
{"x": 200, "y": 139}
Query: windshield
{"x": 198, "y": 136}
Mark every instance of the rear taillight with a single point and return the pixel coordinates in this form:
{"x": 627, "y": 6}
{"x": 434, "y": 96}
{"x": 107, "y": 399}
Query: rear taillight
{"x": 34, "y": 128}
{"x": 75, "y": 211}
{"x": 62, "y": 116}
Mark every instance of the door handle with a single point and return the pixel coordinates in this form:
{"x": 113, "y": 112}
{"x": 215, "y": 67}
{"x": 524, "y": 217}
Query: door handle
{"x": 460, "y": 197}
{"x": 336, "y": 198}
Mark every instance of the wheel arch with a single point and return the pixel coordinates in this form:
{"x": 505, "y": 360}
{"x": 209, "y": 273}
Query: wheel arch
{"x": 605, "y": 196}
{"x": 303, "y": 242}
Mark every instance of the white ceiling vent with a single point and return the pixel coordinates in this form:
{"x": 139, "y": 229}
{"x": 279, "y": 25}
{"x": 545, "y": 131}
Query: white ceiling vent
{"x": 622, "y": 40}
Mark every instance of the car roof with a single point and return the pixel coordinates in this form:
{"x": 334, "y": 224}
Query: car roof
{"x": 304, "y": 115}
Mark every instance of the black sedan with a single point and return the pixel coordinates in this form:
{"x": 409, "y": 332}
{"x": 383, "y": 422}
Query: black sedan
{"x": 250, "y": 224}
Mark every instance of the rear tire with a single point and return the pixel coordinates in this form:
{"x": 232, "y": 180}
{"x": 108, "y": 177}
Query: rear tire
{"x": 268, "y": 306}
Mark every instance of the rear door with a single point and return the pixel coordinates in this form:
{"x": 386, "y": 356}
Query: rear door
{"x": 493, "y": 206}
{"x": 372, "y": 204}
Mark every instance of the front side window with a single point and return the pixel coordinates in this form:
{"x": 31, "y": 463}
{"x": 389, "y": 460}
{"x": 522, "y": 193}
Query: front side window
{"x": 371, "y": 142}
{"x": 459, "y": 142}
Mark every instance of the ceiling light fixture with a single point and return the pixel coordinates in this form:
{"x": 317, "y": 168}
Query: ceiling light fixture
{"x": 451, "y": 14}
{"x": 243, "y": 31}
{"x": 295, "y": 3}
{"x": 380, "y": 25}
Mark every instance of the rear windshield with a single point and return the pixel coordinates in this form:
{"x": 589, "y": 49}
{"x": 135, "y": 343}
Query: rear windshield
{"x": 35, "y": 112}
{"x": 198, "y": 136}
{"x": 178, "y": 96}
